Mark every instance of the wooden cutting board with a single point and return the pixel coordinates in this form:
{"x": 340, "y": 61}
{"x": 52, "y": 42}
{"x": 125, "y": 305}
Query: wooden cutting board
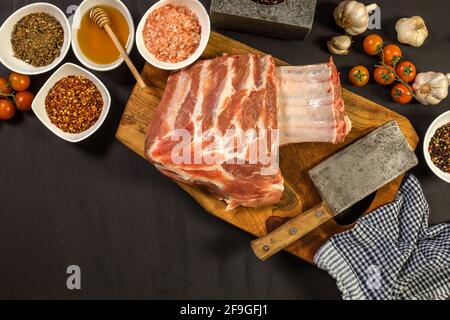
{"x": 295, "y": 160}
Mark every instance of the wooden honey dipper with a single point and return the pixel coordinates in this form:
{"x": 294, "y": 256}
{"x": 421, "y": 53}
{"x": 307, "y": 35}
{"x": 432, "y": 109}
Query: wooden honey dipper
{"x": 101, "y": 18}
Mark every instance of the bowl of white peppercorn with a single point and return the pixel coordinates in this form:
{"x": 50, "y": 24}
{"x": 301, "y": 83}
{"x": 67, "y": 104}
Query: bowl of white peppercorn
{"x": 36, "y": 39}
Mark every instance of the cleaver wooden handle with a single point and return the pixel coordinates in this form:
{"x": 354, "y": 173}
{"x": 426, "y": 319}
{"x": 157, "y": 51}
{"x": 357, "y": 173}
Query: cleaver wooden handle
{"x": 291, "y": 231}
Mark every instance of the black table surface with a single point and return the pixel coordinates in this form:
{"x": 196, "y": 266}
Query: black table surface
{"x": 133, "y": 232}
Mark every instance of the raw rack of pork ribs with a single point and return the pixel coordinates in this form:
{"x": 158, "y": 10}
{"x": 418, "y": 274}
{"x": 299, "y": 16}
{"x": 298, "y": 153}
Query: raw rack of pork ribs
{"x": 243, "y": 93}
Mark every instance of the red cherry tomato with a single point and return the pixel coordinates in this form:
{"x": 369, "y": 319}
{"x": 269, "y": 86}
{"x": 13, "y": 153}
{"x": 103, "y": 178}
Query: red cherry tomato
{"x": 402, "y": 94}
{"x": 19, "y": 82}
{"x": 7, "y": 109}
{"x": 373, "y": 44}
{"x": 5, "y": 87}
{"x": 24, "y": 100}
{"x": 384, "y": 76}
{"x": 406, "y": 70}
{"x": 392, "y": 54}
{"x": 359, "y": 76}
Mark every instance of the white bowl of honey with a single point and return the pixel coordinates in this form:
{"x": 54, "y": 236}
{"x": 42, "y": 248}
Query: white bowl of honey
{"x": 92, "y": 45}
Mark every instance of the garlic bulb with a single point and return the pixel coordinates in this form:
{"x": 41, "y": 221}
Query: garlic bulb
{"x": 412, "y": 31}
{"x": 339, "y": 45}
{"x": 353, "y": 16}
{"x": 431, "y": 87}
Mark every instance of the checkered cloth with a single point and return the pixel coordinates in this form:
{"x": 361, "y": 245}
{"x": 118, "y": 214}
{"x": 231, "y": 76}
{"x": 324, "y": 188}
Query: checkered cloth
{"x": 392, "y": 254}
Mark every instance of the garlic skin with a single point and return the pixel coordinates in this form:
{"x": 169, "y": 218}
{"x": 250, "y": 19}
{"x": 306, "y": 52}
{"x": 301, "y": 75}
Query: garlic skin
{"x": 353, "y": 16}
{"x": 340, "y": 45}
{"x": 431, "y": 87}
{"x": 412, "y": 31}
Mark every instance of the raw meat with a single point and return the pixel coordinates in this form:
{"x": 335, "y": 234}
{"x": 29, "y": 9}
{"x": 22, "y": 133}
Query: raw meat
{"x": 225, "y": 94}
{"x": 311, "y": 105}
{"x": 235, "y": 94}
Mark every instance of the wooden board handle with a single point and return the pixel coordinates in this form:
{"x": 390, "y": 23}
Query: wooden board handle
{"x": 125, "y": 56}
{"x": 291, "y": 231}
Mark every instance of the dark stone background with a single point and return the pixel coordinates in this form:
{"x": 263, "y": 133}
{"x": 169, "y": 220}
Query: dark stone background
{"x": 134, "y": 233}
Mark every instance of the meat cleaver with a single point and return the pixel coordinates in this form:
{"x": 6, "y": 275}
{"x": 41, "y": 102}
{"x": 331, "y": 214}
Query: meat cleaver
{"x": 343, "y": 180}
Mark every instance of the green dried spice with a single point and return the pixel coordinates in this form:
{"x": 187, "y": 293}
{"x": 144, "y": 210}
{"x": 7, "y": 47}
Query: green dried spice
{"x": 37, "y": 39}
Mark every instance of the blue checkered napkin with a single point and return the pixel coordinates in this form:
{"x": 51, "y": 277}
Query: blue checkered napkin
{"x": 392, "y": 253}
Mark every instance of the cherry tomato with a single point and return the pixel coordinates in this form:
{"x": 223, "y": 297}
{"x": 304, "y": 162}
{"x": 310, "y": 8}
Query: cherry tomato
{"x": 7, "y": 109}
{"x": 401, "y": 94}
{"x": 384, "y": 76}
{"x": 373, "y": 44}
{"x": 24, "y": 100}
{"x": 19, "y": 82}
{"x": 392, "y": 54}
{"x": 359, "y": 76}
{"x": 5, "y": 87}
{"x": 406, "y": 70}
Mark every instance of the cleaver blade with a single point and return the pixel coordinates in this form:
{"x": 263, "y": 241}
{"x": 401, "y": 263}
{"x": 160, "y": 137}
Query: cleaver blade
{"x": 364, "y": 167}
{"x": 343, "y": 180}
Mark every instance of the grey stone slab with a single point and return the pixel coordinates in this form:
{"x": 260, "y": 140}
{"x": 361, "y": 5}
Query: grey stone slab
{"x": 291, "y": 19}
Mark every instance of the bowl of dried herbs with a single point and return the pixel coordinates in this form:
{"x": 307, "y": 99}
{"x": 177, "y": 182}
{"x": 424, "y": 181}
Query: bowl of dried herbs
{"x": 36, "y": 37}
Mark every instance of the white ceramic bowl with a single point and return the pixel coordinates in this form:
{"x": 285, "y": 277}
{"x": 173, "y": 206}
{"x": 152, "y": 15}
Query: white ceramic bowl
{"x": 84, "y": 8}
{"x": 38, "y": 106}
{"x": 442, "y": 120}
{"x": 6, "y": 53}
{"x": 196, "y": 7}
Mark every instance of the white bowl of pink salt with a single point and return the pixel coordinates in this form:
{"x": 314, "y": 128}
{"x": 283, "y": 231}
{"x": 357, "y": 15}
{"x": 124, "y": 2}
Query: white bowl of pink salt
{"x": 173, "y": 34}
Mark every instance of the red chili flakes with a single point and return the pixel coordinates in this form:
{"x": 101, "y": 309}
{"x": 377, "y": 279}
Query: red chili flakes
{"x": 74, "y": 104}
{"x": 172, "y": 33}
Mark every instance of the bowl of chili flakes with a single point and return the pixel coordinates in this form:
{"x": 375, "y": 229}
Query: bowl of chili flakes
{"x": 73, "y": 103}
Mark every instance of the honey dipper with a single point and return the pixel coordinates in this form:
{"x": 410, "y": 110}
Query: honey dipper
{"x": 101, "y": 18}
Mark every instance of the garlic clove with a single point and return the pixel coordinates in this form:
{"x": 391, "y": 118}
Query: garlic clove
{"x": 342, "y": 42}
{"x": 337, "y": 51}
{"x": 412, "y": 31}
{"x": 431, "y": 87}
{"x": 339, "y": 45}
{"x": 353, "y": 16}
